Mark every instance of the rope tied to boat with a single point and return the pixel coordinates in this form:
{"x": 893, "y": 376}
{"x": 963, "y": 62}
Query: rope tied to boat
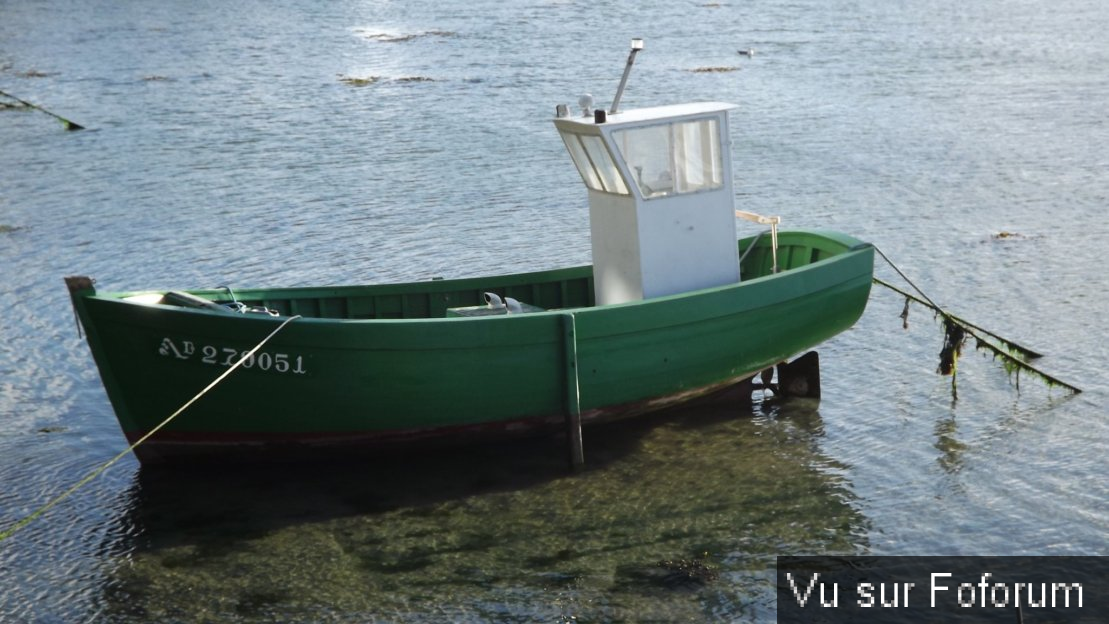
{"x": 242, "y": 308}
{"x": 67, "y": 124}
{"x": 956, "y": 330}
{"x": 100, "y": 469}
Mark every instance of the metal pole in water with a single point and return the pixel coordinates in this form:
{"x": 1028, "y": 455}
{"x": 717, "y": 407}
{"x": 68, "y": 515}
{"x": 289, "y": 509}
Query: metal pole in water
{"x": 637, "y": 45}
{"x": 573, "y": 393}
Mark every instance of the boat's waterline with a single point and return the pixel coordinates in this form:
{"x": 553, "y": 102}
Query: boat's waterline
{"x": 223, "y": 446}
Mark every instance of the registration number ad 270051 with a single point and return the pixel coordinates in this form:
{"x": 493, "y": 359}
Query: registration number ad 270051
{"x": 213, "y": 355}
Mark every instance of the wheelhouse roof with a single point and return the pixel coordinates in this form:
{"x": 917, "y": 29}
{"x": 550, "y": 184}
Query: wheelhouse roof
{"x": 656, "y": 113}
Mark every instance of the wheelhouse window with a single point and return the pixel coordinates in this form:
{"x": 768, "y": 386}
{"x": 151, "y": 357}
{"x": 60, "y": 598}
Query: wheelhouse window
{"x": 594, "y": 163}
{"x": 673, "y": 158}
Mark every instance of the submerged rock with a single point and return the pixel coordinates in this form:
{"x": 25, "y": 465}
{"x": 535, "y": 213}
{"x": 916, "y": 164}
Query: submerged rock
{"x": 672, "y": 574}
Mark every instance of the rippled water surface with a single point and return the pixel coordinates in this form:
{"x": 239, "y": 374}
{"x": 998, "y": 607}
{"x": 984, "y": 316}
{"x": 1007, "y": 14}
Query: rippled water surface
{"x": 297, "y": 143}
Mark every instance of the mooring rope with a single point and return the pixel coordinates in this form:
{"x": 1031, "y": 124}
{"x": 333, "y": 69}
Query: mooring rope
{"x": 953, "y": 321}
{"x": 69, "y": 125}
{"x": 936, "y": 307}
{"x": 98, "y": 471}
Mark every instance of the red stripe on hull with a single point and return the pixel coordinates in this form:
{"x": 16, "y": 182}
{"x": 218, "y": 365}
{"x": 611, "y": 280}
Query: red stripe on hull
{"x": 177, "y": 446}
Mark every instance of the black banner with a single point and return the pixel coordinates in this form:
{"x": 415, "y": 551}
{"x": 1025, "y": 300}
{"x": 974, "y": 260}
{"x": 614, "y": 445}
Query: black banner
{"x": 1025, "y": 590}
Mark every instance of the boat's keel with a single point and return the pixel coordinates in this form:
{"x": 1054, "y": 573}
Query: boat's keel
{"x": 799, "y": 378}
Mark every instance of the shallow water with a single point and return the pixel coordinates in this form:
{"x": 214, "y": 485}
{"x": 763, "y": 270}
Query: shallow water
{"x": 225, "y": 147}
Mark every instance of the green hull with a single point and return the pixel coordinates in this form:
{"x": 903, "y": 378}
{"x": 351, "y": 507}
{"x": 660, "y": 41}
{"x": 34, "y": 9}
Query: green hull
{"x": 381, "y": 364}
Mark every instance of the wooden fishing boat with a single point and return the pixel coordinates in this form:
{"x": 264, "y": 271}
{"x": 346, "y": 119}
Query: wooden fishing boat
{"x": 672, "y": 308}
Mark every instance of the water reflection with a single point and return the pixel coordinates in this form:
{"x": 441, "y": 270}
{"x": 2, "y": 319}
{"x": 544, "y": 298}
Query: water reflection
{"x": 676, "y": 517}
{"x": 948, "y": 444}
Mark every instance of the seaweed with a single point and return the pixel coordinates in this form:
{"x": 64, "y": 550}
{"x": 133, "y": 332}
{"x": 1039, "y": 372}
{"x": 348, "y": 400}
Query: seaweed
{"x": 67, "y": 124}
{"x": 402, "y": 38}
{"x": 34, "y": 73}
{"x": 356, "y": 81}
{"x": 680, "y": 575}
{"x": 1014, "y": 356}
{"x": 953, "y": 338}
{"x": 713, "y": 70}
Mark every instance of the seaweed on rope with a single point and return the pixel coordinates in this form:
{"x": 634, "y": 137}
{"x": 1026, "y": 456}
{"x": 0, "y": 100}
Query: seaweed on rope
{"x": 1014, "y": 356}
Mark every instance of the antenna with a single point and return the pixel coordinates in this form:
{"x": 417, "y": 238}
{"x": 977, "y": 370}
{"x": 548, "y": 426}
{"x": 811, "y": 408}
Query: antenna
{"x": 637, "y": 45}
